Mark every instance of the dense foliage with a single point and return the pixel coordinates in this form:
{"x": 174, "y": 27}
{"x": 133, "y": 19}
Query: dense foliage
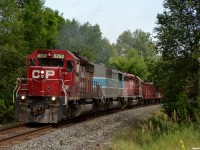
{"x": 178, "y": 34}
{"x": 135, "y": 53}
{"x": 130, "y": 62}
{"x": 86, "y": 40}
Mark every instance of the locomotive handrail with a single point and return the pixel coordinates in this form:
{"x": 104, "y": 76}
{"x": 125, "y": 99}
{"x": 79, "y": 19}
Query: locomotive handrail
{"x": 17, "y": 90}
{"x": 14, "y": 91}
{"x": 65, "y": 92}
{"x": 103, "y": 94}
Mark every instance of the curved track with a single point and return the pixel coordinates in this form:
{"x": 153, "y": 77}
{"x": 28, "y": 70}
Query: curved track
{"x": 25, "y": 132}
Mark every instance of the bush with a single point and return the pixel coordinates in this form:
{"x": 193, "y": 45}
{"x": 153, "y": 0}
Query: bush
{"x": 6, "y": 112}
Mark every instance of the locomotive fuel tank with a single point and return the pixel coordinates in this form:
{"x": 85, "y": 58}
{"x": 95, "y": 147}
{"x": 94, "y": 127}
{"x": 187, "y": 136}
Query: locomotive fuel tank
{"x": 81, "y": 109}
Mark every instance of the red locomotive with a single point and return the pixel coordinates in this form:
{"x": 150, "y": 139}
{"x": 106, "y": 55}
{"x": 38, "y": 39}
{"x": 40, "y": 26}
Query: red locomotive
{"x": 60, "y": 84}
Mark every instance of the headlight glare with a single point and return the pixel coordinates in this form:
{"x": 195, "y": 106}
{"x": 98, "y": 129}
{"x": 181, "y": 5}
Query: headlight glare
{"x": 53, "y": 98}
{"x": 23, "y": 97}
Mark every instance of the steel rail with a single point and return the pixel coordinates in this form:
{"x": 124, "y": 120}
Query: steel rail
{"x": 19, "y": 136}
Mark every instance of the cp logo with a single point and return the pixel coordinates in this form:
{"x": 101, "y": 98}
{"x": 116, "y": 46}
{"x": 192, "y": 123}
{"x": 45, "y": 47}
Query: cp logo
{"x": 38, "y": 74}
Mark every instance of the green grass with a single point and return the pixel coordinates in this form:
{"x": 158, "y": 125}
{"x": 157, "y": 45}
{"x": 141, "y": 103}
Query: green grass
{"x": 186, "y": 138}
{"x": 159, "y": 132}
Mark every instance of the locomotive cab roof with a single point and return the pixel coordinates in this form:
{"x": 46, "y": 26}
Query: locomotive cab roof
{"x": 50, "y": 58}
{"x": 57, "y": 54}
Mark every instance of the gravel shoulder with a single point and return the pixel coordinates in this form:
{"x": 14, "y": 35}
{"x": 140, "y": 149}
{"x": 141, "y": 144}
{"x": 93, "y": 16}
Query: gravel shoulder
{"x": 91, "y": 134}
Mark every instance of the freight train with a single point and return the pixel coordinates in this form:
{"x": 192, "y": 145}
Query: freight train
{"x": 60, "y": 84}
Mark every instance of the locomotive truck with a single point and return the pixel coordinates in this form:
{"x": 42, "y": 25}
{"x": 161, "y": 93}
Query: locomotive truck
{"x": 60, "y": 84}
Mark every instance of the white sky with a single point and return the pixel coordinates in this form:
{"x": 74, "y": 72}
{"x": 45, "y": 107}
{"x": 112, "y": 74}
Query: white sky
{"x": 113, "y": 16}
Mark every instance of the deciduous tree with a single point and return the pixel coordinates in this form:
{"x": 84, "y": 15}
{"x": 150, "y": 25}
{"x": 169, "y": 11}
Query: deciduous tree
{"x": 139, "y": 40}
{"x": 178, "y": 34}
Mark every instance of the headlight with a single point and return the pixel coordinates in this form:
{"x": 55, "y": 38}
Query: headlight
{"x": 53, "y": 98}
{"x": 23, "y": 97}
{"x": 42, "y": 72}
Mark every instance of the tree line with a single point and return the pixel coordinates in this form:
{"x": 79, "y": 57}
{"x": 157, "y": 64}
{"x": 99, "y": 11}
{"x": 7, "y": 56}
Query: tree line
{"x": 171, "y": 61}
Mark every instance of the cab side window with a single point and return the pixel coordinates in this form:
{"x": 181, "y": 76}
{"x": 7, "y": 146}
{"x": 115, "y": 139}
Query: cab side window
{"x": 32, "y": 62}
{"x": 70, "y": 65}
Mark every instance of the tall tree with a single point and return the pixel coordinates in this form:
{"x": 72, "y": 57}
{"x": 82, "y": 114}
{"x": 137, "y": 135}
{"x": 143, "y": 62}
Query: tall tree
{"x": 104, "y": 52}
{"x": 124, "y": 42}
{"x": 32, "y": 15}
{"x": 142, "y": 41}
{"x": 139, "y": 40}
{"x": 11, "y": 44}
{"x": 69, "y": 35}
{"x": 128, "y": 44}
{"x": 91, "y": 35}
{"x": 178, "y": 34}
{"x": 84, "y": 39}
{"x": 52, "y": 23}
{"x": 11, "y": 25}
{"x": 41, "y": 25}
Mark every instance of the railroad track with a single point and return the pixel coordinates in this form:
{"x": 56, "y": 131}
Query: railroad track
{"x": 18, "y": 134}
{"x": 21, "y": 133}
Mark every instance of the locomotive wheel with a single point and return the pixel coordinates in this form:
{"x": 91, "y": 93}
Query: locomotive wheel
{"x": 153, "y": 101}
{"x": 141, "y": 102}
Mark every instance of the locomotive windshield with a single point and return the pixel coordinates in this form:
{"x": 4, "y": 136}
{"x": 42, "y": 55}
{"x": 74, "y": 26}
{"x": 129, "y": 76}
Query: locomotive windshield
{"x": 50, "y": 62}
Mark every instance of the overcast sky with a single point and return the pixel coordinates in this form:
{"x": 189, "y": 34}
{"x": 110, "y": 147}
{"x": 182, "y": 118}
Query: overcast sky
{"x": 113, "y": 16}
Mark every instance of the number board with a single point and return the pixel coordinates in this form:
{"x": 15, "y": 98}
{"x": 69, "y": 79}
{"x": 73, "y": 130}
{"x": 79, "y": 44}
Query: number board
{"x": 61, "y": 56}
{"x": 41, "y": 55}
